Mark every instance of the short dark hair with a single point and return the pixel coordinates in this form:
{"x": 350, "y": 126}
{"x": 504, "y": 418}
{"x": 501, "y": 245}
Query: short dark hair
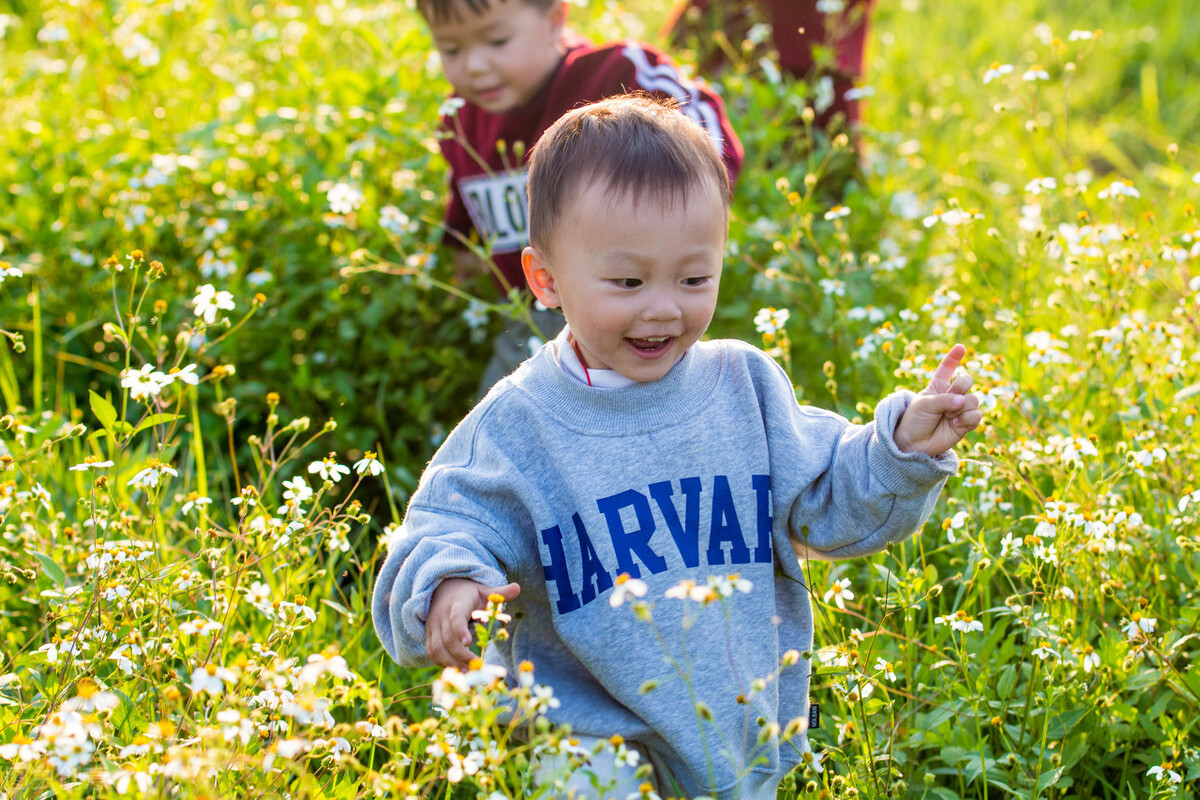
{"x": 442, "y": 10}
{"x": 635, "y": 143}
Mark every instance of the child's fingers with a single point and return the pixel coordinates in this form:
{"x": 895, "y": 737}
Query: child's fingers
{"x": 945, "y": 370}
{"x": 508, "y": 592}
{"x": 936, "y": 405}
{"x": 968, "y": 420}
{"x": 435, "y": 646}
{"x": 456, "y": 640}
{"x": 962, "y": 383}
{"x": 448, "y": 640}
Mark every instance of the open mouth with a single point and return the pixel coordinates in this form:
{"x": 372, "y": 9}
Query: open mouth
{"x": 651, "y": 346}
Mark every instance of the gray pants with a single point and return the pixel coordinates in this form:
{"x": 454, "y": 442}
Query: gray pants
{"x": 511, "y": 345}
{"x": 602, "y": 777}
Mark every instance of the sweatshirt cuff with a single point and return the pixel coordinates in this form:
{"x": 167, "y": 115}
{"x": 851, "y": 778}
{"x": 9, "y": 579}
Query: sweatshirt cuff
{"x": 904, "y": 474}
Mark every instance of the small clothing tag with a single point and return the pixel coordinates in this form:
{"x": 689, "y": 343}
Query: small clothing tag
{"x": 814, "y": 716}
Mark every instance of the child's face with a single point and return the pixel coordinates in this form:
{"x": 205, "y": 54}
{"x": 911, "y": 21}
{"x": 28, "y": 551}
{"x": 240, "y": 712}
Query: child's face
{"x": 499, "y": 59}
{"x": 636, "y": 282}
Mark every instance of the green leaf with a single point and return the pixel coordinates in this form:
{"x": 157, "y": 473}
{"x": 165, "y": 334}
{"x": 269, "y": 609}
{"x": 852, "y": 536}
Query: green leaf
{"x": 1124, "y": 712}
{"x": 1143, "y": 679}
{"x": 953, "y": 756}
{"x": 1008, "y": 679}
{"x": 1073, "y": 751}
{"x": 943, "y": 793}
{"x": 1048, "y": 779}
{"x": 339, "y": 608}
{"x": 53, "y": 571}
{"x": 937, "y": 717}
{"x": 974, "y": 766}
{"x": 1186, "y": 392}
{"x": 1062, "y": 724}
{"x": 126, "y": 718}
{"x": 154, "y": 419}
{"x": 103, "y": 410}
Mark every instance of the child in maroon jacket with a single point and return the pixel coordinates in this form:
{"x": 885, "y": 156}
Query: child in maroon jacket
{"x": 515, "y": 69}
{"x": 797, "y": 26}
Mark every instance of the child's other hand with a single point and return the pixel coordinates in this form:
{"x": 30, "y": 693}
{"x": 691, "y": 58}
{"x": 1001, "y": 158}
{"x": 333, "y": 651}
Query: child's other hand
{"x": 448, "y": 627}
{"x": 943, "y": 413}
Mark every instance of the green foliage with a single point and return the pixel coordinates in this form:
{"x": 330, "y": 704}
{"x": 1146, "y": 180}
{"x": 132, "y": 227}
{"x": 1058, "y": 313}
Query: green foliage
{"x": 183, "y": 621}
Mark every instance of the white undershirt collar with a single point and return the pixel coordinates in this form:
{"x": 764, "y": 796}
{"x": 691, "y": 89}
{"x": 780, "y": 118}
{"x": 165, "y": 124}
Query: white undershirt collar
{"x": 600, "y": 378}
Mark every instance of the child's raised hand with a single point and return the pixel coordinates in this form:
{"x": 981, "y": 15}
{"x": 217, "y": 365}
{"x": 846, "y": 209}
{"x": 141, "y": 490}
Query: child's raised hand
{"x": 943, "y": 413}
{"x": 448, "y": 626}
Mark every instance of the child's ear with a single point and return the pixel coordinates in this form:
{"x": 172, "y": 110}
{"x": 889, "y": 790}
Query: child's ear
{"x": 538, "y": 277}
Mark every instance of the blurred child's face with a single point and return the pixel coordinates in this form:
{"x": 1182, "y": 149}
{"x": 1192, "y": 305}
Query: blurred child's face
{"x": 499, "y": 59}
{"x": 636, "y": 282}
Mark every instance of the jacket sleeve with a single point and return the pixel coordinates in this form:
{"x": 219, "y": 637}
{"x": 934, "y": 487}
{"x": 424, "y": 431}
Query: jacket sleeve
{"x": 457, "y": 220}
{"x": 654, "y": 71}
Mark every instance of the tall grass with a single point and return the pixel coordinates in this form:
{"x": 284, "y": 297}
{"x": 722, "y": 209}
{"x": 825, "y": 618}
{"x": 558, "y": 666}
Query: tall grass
{"x": 204, "y": 442}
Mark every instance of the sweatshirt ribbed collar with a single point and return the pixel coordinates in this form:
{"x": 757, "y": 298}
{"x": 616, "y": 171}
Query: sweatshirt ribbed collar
{"x": 640, "y": 408}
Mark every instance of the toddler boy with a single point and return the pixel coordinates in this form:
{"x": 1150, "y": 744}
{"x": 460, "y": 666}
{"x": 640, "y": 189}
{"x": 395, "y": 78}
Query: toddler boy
{"x": 629, "y": 457}
{"x": 515, "y": 69}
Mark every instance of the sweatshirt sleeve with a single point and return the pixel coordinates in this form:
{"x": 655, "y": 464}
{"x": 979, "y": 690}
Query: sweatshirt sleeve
{"x": 431, "y": 547}
{"x": 464, "y": 521}
{"x": 845, "y": 490}
{"x": 869, "y": 493}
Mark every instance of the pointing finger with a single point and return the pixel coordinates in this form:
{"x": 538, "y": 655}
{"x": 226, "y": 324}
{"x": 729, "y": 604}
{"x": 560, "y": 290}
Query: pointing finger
{"x": 945, "y": 370}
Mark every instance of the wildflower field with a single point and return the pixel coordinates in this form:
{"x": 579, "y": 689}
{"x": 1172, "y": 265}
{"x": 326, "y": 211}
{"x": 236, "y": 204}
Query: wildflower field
{"x": 229, "y": 343}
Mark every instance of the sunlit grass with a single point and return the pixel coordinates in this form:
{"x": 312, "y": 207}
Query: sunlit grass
{"x": 184, "y": 563}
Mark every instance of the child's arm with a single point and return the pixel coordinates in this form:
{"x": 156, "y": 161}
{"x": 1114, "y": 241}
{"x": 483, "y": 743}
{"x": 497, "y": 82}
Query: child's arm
{"x": 943, "y": 413}
{"x": 448, "y": 626}
{"x": 434, "y": 548}
{"x": 858, "y": 487}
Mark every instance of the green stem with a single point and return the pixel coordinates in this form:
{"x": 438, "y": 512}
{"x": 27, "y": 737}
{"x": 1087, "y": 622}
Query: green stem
{"x": 37, "y": 352}
{"x": 198, "y": 451}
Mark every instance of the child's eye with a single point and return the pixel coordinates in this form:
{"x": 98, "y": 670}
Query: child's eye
{"x": 448, "y": 52}
{"x": 499, "y": 42}
{"x": 628, "y": 283}
{"x": 698, "y": 280}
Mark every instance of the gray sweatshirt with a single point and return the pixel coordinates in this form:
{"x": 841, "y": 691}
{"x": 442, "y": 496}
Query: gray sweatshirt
{"x": 713, "y": 470}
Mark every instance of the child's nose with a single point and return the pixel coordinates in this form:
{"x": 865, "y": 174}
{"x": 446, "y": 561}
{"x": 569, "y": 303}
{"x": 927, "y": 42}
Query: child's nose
{"x": 661, "y": 307}
{"x": 476, "y": 61}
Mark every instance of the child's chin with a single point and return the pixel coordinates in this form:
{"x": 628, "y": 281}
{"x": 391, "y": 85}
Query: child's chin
{"x": 500, "y": 104}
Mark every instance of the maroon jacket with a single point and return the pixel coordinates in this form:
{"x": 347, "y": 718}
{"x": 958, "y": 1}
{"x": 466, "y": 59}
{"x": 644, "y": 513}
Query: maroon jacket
{"x": 489, "y": 197}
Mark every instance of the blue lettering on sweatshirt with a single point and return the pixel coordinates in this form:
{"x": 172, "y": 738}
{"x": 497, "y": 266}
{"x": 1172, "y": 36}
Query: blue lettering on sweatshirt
{"x": 687, "y": 535}
{"x": 725, "y": 527}
{"x": 631, "y": 545}
{"x": 593, "y": 568}
{"x": 557, "y": 571}
{"x": 626, "y": 543}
